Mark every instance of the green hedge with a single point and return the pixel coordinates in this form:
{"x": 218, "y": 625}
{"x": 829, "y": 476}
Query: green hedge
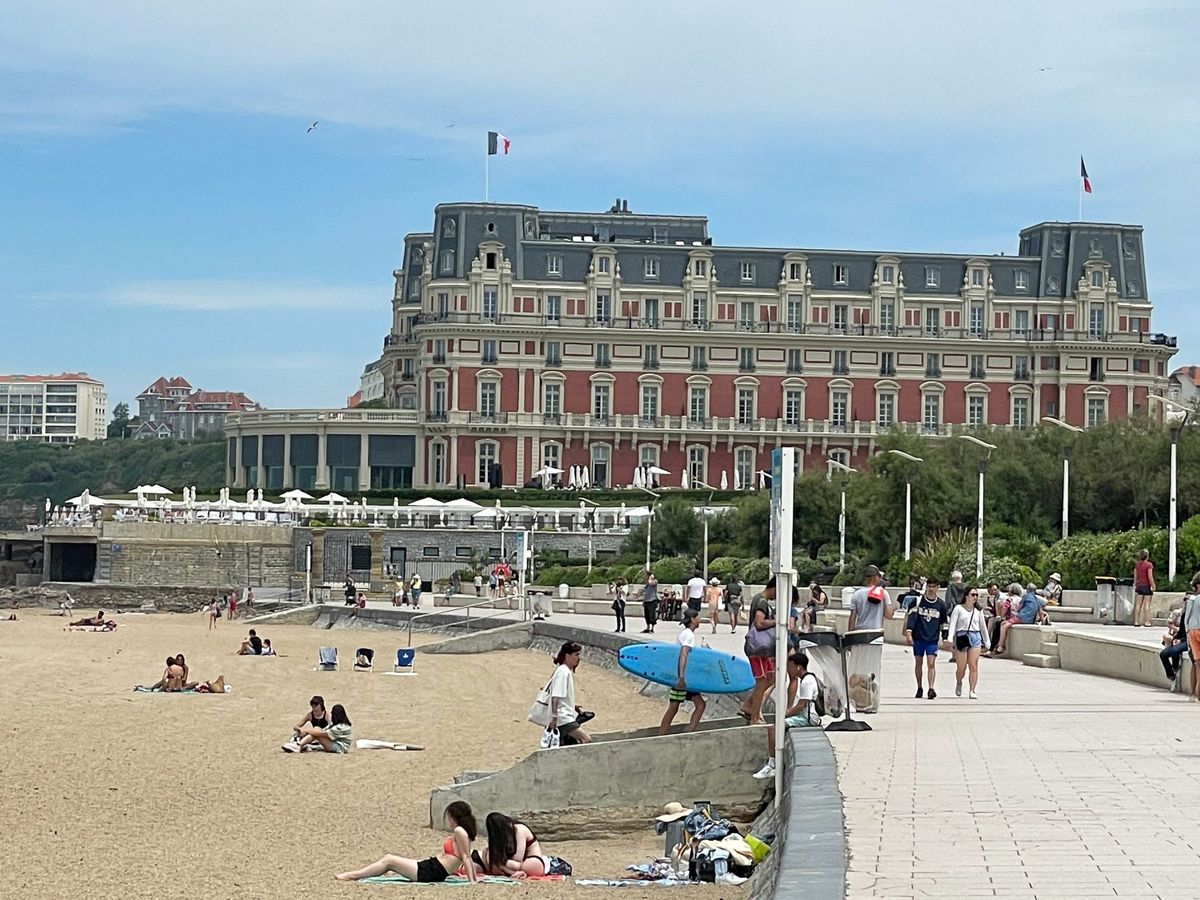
{"x": 1082, "y": 557}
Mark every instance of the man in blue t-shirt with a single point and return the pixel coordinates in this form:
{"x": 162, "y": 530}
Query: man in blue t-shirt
{"x": 1031, "y": 605}
{"x": 922, "y": 629}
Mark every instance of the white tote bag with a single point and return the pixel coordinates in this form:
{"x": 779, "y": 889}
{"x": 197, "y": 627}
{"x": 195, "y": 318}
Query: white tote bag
{"x": 539, "y": 712}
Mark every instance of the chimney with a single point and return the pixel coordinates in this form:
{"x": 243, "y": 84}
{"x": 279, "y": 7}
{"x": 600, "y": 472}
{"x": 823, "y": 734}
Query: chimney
{"x": 624, "y": 206}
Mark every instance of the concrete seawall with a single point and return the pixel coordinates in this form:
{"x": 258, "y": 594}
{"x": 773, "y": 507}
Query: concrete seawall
{"x": 619, "y": 783}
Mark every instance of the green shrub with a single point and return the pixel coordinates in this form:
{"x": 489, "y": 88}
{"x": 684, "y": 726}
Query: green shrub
{"x": 1188, "y": 547}
{"x": 758, "y": 571}
{"x": 674, "y": 569}
{"x": 1082, "y": 557}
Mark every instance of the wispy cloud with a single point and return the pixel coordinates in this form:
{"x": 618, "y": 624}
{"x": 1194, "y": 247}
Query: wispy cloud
{"x": 226, "y": 295}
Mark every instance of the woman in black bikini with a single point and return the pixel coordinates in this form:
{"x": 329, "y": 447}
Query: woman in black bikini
{"x": 317, "y": 717}
{"x": 456, "y": 853}
{"x": 513, "y": 849}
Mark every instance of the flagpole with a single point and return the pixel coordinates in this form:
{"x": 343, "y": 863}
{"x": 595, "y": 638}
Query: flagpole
{"x": 1080, "y": 219}
{"x": 487, "y": 162}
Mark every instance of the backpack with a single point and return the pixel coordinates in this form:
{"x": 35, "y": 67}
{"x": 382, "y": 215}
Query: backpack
{"x": 818, "y": 702}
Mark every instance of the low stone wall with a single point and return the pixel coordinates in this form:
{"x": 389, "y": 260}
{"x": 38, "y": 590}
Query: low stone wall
{"x": 579, "y": 792}
{"x": 165, "y": 598}
{"x": 808, "y": 858}
{"x": 1116, "y": 658}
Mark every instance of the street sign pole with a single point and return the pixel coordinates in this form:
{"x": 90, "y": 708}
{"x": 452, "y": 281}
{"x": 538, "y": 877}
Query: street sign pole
{"x": 783, "y": 485}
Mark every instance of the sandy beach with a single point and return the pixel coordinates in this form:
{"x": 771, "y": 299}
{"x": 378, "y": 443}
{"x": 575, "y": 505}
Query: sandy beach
{"x": 111, "y": 793}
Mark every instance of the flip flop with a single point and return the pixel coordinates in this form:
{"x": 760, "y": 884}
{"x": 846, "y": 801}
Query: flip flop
{"x": 743, "y": 715}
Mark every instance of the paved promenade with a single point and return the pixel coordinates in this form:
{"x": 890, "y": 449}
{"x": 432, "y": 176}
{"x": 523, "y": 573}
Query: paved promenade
{"x": 1052, "y": 785}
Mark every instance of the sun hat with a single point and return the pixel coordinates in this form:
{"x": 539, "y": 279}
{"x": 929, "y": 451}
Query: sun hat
{"x": 672, "y": 812}
{"x": 1054, "y": 576}
{"x": 714, "y": 580}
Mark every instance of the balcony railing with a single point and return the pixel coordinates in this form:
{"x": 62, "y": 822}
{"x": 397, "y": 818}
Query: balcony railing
{"x": 487, "y": 418}
{"x": 317, "y": 416}
{"x": 630, "y": 323}
{"x": 439, "y": 359}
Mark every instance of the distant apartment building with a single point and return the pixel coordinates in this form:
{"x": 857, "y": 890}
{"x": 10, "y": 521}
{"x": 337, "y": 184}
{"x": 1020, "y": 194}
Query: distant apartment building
{"x": 171, "y": 408}
{"x": 54, "y": 409}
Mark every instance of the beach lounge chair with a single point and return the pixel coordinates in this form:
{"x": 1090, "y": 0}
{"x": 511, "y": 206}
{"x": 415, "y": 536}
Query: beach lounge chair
{"x": 406, "y": 661}
{"x": 364, "y": 659}
{"x": 327, "y": 660}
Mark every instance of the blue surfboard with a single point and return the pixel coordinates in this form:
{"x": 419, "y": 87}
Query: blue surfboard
{"x": 708, "y": 671}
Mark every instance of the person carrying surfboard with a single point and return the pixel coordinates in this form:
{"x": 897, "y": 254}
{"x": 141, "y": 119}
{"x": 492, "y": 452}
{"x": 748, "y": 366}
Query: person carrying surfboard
{"x": 680, "y": 694}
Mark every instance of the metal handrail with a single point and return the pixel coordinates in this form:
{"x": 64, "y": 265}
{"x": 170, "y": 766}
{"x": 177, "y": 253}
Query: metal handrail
{"x": 467, "y": 618}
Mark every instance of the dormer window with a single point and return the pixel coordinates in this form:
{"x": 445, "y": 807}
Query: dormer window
{"x": 1022, "y": 280}
{"x": 795, "y": 271}
{"x": 841, "y": 274}
{"x": 933, "y": 277}
{"x": 1097, "y": 278}
{"x": 554, "y": 265}
{"x": 489, "y": 261}
{"x": 603, "y": 265}
{"x": 700, "y": 268}
{"x": 887, "y": 274}
{"x": 977, "y": 278}
{"x": 747, "y": 270}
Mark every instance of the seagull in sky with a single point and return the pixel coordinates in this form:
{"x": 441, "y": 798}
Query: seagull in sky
{"x": 1045, "y": 68}
{"x": 312, "y": 126}
{"x": 451, "y": 125}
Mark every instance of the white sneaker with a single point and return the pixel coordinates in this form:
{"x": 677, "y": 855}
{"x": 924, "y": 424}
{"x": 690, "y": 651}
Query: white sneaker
{"x": 767, "y": 771}
{"x": 958, "y": 689}
{"x": 973, "y": 695}
{"x": 730, "y": 878}
{"x": 290, "y": 747}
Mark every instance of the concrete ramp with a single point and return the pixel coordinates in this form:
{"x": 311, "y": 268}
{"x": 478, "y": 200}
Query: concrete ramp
{"x": 507, "y": 637}
{"x": 608, "y": 786}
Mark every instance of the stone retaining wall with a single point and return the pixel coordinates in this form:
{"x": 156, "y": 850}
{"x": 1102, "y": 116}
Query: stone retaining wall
{"x": 165, "y": 598}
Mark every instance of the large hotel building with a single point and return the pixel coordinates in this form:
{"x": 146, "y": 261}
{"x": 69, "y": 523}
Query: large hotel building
{"x": 53, "y": 409}
{"x": 523, "y": 339}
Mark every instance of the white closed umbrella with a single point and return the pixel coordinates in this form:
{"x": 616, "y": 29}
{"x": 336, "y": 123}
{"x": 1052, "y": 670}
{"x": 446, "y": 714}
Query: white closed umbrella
{"x": 683, "y": 481}
{"x": 737, "y": 480}
{"x": 724, "y": 481}
{"x": 586, "y": 474}
{"x": 639, "y": 478}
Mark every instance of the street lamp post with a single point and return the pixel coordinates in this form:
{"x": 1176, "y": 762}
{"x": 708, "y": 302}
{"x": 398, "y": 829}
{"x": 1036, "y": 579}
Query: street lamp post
{"x": 848, "y": 470}
{"x": 1176, "y": 424}
{"x": 1066, "y": 457}
{"x": 590, "y": 527}
{"x": 983, "y": 463}
{"x": 649, "y": 521}
{"x": 908, "y": 477}
{"x": 707, "y": 510}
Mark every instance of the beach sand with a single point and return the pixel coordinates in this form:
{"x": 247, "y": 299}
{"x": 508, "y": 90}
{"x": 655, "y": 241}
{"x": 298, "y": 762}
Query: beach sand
{"x": 110, "y": 793}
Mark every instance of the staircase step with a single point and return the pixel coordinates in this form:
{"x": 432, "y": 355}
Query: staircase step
{"x": 1042, "y": 661}
{"x": 1050, "y": 648}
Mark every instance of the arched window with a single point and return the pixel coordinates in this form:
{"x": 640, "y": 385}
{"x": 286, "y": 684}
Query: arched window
{"x": 601, "y": 464}
{"x": 743, "y": 468}
{"x": 697, "y": 465}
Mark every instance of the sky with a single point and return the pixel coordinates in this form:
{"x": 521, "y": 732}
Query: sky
{"x": 164, "y": 210}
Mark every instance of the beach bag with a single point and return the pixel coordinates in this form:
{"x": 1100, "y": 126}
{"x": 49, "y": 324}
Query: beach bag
{"x": 759, "y": 641}
{"x": 558, "y": 866}
{"x": 539, "y": 712}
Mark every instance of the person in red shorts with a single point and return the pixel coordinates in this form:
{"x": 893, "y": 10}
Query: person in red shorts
{"x": 760, "y": 618}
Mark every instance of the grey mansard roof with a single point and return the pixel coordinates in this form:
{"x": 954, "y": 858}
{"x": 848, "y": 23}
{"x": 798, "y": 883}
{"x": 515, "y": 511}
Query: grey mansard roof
{"x": 1053, "y": 255}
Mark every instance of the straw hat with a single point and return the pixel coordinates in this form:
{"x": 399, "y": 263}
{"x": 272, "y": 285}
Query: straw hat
{"x": 672, "y": 812}
{"x": 1056, "y": 578}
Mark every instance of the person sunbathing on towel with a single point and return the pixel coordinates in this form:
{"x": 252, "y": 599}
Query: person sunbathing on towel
{"x": 456, "y": 852}
{"x": 512, "y": 849}
{"x": 96, "y": 621}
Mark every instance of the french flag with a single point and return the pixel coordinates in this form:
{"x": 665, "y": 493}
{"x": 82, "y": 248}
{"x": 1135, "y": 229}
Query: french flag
{"x": 1087, "y": 184}
{"x": 498, "y": 143}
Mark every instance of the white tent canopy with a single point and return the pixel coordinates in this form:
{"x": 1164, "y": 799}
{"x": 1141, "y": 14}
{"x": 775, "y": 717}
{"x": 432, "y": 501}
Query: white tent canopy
{"x": 462, "y": 504}
{"x": 426, "y": 503}
{"x": 296, "y": 494}
{"x": 333, "y": 497}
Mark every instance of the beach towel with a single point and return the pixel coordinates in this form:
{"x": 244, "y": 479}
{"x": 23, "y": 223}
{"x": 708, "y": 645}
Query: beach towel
{"x": 452, "y": 880}
{"x": 629, "y": 882}
{"x": 147, "y": 690}
{"x": 366, "y": 744}
{"x": 108, "y": 626}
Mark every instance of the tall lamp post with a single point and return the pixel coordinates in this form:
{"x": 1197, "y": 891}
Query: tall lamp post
{"x": 649, "y": 521}
{"x": 908, "y": 477}
{"x": 707, "y": 510}
{"x": 848, "y": 470}
{"x": 983, "y": 464}
{"x": 1176, "y": 416}
{"x": 1066, "y": 456}
{"x": 590, "y": 527}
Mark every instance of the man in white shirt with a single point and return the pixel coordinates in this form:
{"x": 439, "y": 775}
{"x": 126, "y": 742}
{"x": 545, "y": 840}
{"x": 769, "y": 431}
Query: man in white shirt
{"x": 802, "y": 693}
{"x": 695, "y": 591}
{"x": 680, "y": 694}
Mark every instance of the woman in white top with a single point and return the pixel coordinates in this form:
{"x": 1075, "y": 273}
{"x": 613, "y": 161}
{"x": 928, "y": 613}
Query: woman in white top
{"x": 564, "y": 714}
{"x": 969, "y": 633}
